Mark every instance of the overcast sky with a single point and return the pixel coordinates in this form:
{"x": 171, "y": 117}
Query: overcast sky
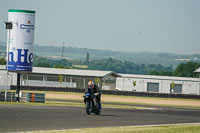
{"x": 123, "y": 25}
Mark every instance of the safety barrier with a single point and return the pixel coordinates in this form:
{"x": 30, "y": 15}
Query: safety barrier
{"x": 36, "y": 97}
{"x": 111, "y": 92}
{"x": 24, "y": 97}
{"x": 7, "y": 96}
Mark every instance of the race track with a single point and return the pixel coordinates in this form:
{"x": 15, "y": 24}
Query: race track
{"x": 30, "y": 118}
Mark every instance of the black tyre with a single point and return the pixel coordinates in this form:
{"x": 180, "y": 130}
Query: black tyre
{"x": 97, "y": 110}
{"x": 88, "y": 107}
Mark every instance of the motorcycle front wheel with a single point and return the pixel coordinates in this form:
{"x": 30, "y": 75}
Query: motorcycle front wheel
{"x": 88, "y": 107}
{"x": 97, "y": 110}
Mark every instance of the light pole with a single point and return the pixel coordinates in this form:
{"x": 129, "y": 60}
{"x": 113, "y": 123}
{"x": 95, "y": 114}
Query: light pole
{"x": 9, "y": 26}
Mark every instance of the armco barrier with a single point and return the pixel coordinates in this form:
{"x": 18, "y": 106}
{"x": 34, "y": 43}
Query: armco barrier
{"x": 1, "y": 96}
{"x": 25, "y": 97}
{"x": 7, "y": 96}
{"x": 11, "y": 97}
{"x": 110, "y": 92}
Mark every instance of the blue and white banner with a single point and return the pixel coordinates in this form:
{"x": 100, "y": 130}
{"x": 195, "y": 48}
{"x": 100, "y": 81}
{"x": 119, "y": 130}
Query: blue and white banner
{"x": 20, "y": 40}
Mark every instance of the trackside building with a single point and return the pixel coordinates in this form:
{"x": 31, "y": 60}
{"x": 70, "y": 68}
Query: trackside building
{"x": 106, "y": 80}
{"x": 158, "y": 84}
{"x": 54, "y": 77}
{"x": 198, "y": 71}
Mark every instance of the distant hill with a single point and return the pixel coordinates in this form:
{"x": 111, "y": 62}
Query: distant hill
{"x": 166, "y": 59}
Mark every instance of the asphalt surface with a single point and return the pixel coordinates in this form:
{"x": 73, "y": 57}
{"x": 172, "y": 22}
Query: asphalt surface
{"x": 15, "y": 118}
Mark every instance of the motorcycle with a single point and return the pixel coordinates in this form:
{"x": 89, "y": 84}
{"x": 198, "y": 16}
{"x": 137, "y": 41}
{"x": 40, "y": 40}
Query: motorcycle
{"x": 91, "y": 103}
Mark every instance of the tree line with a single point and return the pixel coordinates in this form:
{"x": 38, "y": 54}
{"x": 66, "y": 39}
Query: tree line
{"x": 118, "y": 66}
{"x": 182, "y": 70}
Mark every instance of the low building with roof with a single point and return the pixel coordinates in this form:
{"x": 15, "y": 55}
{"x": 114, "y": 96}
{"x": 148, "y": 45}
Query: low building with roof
{"x": 198, "y": 71}
{"x": 55, "y": 77}
{"x": 158, "y": 84}
{"x": 106, "y": 80}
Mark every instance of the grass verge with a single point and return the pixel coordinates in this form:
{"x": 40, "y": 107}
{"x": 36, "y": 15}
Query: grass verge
{"x": 51, "y": 103}
{"x": 193, "y": 128}
{"x": 129, "y": 104}
{"x": 71, "y": 104}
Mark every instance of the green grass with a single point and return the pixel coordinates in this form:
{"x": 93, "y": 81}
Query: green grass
{"x": 129, "y": 104}
{"x": 48, "y": 103}
{"x": 156, "y": 98}
{"x": 110, "y": 105}
{"x": 195, "y": 128}
{"x": 80, "y": 66}
{"x": 71, "y": 104}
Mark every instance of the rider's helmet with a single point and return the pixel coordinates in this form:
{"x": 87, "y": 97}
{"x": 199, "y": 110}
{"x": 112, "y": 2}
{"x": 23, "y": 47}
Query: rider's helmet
{"x": 91, "y": 84}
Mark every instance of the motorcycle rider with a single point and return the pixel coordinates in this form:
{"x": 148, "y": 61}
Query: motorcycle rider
{"x": 94, "y": 89}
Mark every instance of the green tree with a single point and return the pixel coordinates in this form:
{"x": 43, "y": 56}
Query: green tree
{"x": 160, "y": 73}
{"x": 2, "y": 61}
{"x": 42, "y": 64}
{"x": 58, "y": 66}
{"x": 186, "y": 69}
